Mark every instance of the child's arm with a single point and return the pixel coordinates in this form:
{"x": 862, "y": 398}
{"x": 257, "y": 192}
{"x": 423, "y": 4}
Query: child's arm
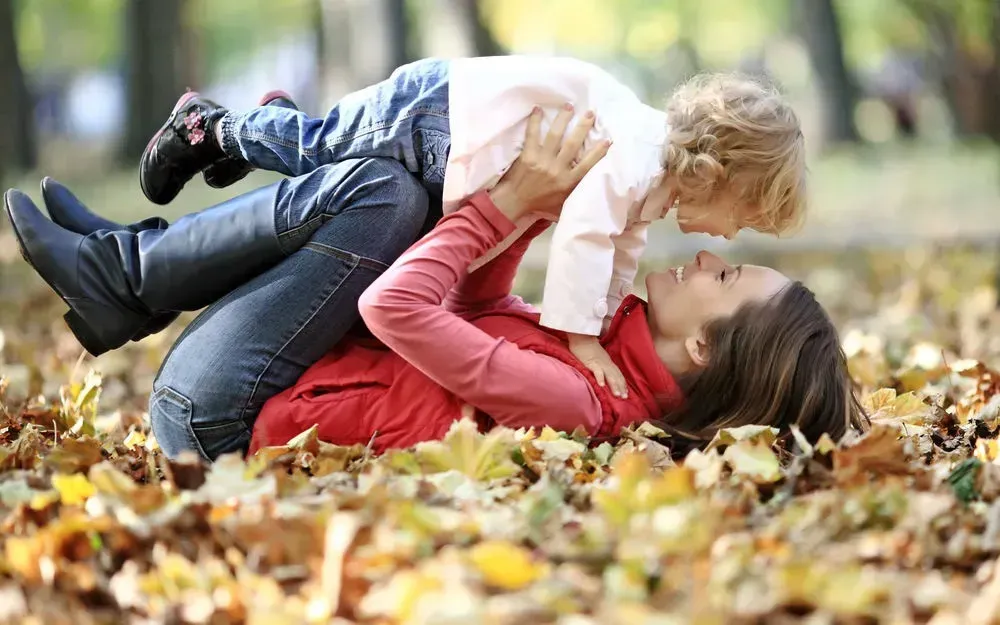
{"x": 581, "y": 263}
{"x": 628, "y": 248}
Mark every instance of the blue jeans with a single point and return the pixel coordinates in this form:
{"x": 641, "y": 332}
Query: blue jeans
{"x": 341, "y": 225}
{"x": 404, "y": 117}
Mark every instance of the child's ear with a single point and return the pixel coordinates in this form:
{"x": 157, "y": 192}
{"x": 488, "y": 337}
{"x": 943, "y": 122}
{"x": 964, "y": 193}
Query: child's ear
{"x": 697, "y": 350}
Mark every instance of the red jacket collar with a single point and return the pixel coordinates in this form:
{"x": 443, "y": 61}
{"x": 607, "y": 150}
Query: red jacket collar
{"x": 629, "y": 343}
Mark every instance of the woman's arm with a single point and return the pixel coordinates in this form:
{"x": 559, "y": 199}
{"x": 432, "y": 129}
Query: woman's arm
{"x": 403, "y": 307}
{"x": 491, "y": 284}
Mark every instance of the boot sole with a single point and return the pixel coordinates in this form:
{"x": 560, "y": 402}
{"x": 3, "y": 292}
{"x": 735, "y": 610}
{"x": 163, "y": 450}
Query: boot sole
{"x": 81, "y": 330}
{"x": 184, "y": 99}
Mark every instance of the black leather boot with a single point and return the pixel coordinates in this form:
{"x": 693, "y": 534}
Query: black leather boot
{"x": 183, "y": 147}
{"x": 114, "y": 281}
{"x": 231, "y": 170}
{"x": 70, "y": 213}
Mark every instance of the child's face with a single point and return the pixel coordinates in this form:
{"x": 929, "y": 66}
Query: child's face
{"x": 719, "y": 217}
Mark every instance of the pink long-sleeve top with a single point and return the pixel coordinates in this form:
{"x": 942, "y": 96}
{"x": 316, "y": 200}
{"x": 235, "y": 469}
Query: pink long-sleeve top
{"x": 458, "y": 340}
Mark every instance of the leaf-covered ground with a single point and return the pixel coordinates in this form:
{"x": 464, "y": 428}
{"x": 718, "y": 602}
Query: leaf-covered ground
{"x": 900, "y": 525}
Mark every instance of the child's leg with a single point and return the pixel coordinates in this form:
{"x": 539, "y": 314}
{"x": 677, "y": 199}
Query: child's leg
{"x": 404, "y": 118}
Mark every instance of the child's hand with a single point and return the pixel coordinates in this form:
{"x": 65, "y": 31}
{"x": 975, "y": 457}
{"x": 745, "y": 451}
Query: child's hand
{"x": 589, "y": 351}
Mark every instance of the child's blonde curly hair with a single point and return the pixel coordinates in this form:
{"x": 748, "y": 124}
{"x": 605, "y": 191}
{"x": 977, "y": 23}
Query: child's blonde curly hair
{"x": 730, "y": 132}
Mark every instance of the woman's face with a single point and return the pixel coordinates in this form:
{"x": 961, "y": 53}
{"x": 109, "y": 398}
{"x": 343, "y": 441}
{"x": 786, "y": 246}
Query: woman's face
{"x": 682, "y": 300}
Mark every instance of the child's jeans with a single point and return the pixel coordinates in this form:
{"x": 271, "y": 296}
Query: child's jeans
{"x": 404, "y": 117}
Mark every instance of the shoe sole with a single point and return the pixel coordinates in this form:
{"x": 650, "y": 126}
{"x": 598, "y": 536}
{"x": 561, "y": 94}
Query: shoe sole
{"x": 277, "y": 94}
{"x": 147, "y": 153}
{"x": 81, "y": 330}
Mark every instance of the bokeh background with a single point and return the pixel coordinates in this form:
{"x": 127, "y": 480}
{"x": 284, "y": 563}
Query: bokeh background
{"x": 900, "y": 101}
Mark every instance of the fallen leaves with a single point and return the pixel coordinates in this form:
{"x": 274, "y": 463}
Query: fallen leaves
{"x": 507, "y": 525}
{"x": 900, "y": 524}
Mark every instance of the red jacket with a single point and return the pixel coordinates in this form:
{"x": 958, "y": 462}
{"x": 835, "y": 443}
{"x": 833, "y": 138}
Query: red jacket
{"x": 455, "y": 343}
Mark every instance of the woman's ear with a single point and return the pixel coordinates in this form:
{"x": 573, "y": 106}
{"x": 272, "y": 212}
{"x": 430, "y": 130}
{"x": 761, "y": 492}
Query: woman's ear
{"x": 697, "y": 350}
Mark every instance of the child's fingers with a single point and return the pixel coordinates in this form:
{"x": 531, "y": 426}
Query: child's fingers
{"x": 532, "y": 137}
{"x": 553, "y": 140}
{"x": 572, "y": 147}
{"x": 591, "y": 158}
{"x": 618, "y": 385}
{"x": 598, "y": 373}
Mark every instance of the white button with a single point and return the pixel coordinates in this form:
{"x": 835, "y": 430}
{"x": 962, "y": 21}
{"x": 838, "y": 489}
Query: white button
{"x": 626, "y": 290}
{"x": 601, "y": 308}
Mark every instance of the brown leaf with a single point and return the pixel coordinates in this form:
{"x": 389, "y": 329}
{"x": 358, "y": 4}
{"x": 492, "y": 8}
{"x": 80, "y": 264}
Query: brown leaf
{"x": 72, "y": 455}
{"x": 186, "y": 472}
{"x": 879, "y": 452}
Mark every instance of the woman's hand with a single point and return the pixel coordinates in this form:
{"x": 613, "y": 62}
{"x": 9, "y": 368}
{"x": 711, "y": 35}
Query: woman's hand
{"x": 547, "y": 171}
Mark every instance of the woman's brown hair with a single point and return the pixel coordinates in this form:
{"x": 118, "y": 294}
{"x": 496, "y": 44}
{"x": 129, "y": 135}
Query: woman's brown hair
{"x": 773, "y": 363}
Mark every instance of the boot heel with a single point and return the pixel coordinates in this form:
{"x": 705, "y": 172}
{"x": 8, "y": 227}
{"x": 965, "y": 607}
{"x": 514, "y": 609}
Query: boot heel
{"x": 90, "y": 341}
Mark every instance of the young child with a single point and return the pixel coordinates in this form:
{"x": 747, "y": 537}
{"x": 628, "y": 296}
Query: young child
{"x": 727, "y": 153}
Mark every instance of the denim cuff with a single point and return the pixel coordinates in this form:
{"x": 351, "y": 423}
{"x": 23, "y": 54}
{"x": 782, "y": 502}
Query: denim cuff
{"x": 227, "y": 130}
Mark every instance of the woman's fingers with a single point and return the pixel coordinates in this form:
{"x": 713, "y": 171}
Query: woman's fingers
{"x": 591, "y": 158}
{"x": 554, "y": 138}
{"x": 573, "y": 145}
{"x": 532, "y": 137}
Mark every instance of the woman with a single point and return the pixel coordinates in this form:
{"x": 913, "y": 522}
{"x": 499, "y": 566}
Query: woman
{"x": 715, "y": 346}
{"x": 744, "y": 344}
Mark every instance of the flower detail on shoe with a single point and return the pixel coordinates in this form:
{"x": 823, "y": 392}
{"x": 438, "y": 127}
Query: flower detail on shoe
{"x": 192, "y": 120}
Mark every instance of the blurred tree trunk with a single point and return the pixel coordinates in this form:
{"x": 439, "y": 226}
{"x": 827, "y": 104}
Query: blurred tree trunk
{"x": 446, "y": 28}
{"x": 359, "y": 42}
{"x": 483, "y": 41}
{"x": 992, "y": 83}
{"x": 18, "y": 146}
{"x": 398, "y": 32}
{"x": 821, "y": 31}
{"x": 155, "y": 60}
{"x": 965, "y": 83}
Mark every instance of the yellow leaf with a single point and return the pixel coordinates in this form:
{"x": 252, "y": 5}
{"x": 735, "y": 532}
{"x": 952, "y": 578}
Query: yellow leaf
{"x": 86, "y": 398}
{"x": 825, "y": 444}
{"x": 22, "y": 555}
{"x": 707, "y": 467}
{"x": 548, "y": 434}
{"x": 44, "y": 499}
{"x": 987, "y": 450}
{"x": 750, "y": 433}
{"x": 913, "y": 379}
{"x": 673, "y": 485}
{"x": 880, "y": 399}
{"x": 505, "y": 565}
{"x": 134, "y": 439}
{"x": 908, "y": 404}
{"x": 885, "y": 404}
{"x": 756, "y": 461}
{"x": 467, "y": 450}
{"x": 73, "y": 489}
{"x": 400, "y": 598}
{"x": 649, "y": 430}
